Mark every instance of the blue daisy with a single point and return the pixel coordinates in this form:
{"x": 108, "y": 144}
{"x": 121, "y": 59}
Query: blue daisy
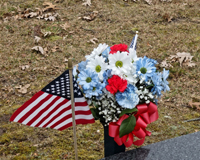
{"x": 88, "y": 79}
{"x": 82, "y": 65}
{"x": 128, "y": 99}
{"x": 107, "y": 74}
{"x": 165, "y": 83}
{"x": 145, "y": 68}
{"x": 94, "y": 91}
{"x": 157, "y": 81}
{"x": 105, "y": 53}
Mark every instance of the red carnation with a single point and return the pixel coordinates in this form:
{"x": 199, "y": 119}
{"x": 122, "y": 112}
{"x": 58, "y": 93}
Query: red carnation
{"x": 115, "y": 83}
{"x": 118, "y": 47}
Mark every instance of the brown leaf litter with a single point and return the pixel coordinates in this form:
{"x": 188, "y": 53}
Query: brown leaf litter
{"x": 87, "y": 3}
{"x": 40, "y": 49}
{"x": 195, "y": 102}
{"x": 184, "y": 59}
{"x": 23, "y": 89}
{"x": 91, "y": 16}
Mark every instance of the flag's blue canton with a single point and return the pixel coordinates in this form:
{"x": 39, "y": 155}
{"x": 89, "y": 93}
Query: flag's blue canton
{"x": 61, "y": 86}
{"x": 132, "y": 42}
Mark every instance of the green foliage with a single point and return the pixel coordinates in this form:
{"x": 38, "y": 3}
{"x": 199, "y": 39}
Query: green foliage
{"x": 126, "y": 111}
{"x": 94, "y": 113}
{"x": 127, "y": 126}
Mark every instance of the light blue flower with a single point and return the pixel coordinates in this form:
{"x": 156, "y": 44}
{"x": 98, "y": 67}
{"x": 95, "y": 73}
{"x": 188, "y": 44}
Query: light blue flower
{"x": 105, "y": 53}
{"x": 145, "y": 68}
{"x": 128, "y": 99}
{"x": 95, "y": 91}
{"x": 165, "y": 83}
{"x": 82, "y": 65}
{"x": 157, "y": 82}
{"x": 88, "y": 79}
{"x": 107, "y": 74}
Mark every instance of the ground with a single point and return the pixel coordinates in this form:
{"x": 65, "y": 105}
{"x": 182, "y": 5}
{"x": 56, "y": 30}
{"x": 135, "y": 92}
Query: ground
{"x": 165, "y": 28}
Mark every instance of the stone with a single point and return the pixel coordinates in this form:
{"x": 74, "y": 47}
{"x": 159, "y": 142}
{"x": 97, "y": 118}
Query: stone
{"x": 181, "y": 148}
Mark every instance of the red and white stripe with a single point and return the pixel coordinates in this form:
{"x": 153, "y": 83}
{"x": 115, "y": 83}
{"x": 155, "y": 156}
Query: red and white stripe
{"x": 49, "y": 111}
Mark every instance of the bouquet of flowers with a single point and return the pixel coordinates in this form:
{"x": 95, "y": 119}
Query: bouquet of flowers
{"x": 123, "y": 90}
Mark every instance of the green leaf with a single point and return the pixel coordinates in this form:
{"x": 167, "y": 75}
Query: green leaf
{"x": 94, "y": 113}
{"x": 95, "y": 104}
{"x": 150, "y": 86}
{"x": 127, "y": 126}
{"x": 128, "y": 111}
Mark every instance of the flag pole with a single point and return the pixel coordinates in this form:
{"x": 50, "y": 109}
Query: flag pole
{"x": 72, "y": 105}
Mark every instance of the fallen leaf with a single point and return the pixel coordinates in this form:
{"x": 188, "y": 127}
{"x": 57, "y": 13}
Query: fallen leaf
{"x": 45, "y": 51}
{"x": 35, "y": 154}
{"x": 39, "y": 11}
{"x": 7, "y": 15}
{"x": 87, "y": 3}
{"x": 37, "y": 39}
{"x": 65, "y": 26}
{"x": 189, "y": 64}
{"x": 184, "y": 57}
{"x": 65, "y": 60}
{"x": 91, "y": 17}
{"x": 49, "y": 6}
{"x": 93, "y": 40}
{"x": 24, "y": 67}
{"x": 31, "y": 15}
{"x": 195, "y": 97}
{"x": 18, "y": 87}
{"x": 148, "y": 2}
{"x": 37, "y": 31}
{"x": 196, "y": 104}
{"x": 168, "y": 117}
{"x": 45, "y": 34}
{"x": 39, "y": 49}
{"x": 167, "y": 17}
{"x": 55, "y": 48}
{"x": 23, "y": 89}
{"x": 164, "y": 64}
{"x": 50, "y": 18}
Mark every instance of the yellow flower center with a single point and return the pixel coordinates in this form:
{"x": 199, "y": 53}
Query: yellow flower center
{"x": 98, "y": 68}
{"x": 143, "y": 70}
{"x": 119, "y": 64}
{"x": 88, "y": 79}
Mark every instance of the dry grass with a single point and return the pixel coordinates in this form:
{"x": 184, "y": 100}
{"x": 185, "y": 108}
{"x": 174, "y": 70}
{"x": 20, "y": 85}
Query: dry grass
{"x": 115, "y": 23}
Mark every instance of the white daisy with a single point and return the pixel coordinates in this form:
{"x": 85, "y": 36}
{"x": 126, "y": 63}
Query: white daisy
{"x": 133, "y": 55}
{"x": 130, "y": 78}
{"x": 120, "y": 63}
{"x": 98, "y": 65}
{"x": 97, "y": 51}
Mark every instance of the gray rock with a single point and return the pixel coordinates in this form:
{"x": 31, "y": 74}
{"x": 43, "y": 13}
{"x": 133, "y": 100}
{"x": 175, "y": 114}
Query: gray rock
{"x": 185, "y": 147}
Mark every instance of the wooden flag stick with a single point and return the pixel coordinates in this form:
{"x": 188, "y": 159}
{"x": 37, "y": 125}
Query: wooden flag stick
{"x": 72, "y": 105}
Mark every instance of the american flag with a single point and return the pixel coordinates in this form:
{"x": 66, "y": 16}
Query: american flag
{"x": 133, "y": 42}
{"x": 51, "y": 107}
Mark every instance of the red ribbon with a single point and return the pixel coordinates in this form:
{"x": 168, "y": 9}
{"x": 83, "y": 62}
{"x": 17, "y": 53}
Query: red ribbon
{"x": 146, "y": 114}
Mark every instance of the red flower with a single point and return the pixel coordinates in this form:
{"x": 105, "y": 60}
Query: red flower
{"x": 118, "y": 47}
{"x": 115, "y": 83}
